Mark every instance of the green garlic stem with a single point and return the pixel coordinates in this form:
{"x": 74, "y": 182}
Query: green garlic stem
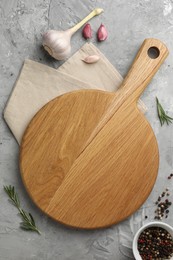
{"x": 95, "y": 12}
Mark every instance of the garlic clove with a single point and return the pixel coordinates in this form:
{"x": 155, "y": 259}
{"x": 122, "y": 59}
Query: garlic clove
{"x": 57, "y": 43}
{"x": 91, "y": 59}
{"x": 48, "y": 50}
{"x": 102, "y": 33}
{"x": 87, "y": 32}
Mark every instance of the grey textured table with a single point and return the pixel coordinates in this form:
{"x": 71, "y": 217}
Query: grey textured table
{"x": 128, "y": 23}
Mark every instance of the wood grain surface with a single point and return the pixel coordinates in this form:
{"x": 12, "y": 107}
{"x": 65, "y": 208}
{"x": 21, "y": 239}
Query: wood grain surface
{"x": 89, "y": 158}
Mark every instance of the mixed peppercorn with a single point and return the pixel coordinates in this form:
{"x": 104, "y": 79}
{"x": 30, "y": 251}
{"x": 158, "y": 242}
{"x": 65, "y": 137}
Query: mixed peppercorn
{"x": 162, "y": 205}
{"x": 155, "y": 243}
{"x": 170, "y": 176}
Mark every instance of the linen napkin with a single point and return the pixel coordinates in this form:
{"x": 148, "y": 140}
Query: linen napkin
{"x": 37, "y": 84}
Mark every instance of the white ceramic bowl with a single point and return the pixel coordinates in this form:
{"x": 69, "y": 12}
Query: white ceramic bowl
{"x": 150, "y": 224}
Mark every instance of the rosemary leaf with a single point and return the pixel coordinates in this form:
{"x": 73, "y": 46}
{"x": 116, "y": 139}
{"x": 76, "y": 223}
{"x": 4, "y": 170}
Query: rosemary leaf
{"x": 28, "y": 222}
{"x": 163, "y": 117}
{"x": 32, "y": 219}
{"x": 24, "y": 225}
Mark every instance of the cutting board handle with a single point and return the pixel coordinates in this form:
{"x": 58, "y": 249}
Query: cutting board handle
{"x": 148, "y": 60}
{"x": 142, "y": 71}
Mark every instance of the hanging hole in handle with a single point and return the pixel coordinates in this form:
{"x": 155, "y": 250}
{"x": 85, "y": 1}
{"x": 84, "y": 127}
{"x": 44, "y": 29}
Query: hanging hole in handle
{"x": 153, "y": 52}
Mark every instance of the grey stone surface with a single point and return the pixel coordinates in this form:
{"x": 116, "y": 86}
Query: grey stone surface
{"x": 128, "y": 23}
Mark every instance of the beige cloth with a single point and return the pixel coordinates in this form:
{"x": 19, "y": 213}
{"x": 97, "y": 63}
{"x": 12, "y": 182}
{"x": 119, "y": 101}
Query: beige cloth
{"x": 37, "y": 84}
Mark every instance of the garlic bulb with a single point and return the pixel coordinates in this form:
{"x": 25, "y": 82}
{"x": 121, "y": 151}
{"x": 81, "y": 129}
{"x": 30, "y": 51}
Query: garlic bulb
{"x": 58, "y": 43}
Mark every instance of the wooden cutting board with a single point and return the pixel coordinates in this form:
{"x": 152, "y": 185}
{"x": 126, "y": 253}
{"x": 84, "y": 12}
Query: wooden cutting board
{"x": 89, "y": 158}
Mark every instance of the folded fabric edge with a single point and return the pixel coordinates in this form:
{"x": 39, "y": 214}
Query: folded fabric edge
{"x": 5, "y": 111}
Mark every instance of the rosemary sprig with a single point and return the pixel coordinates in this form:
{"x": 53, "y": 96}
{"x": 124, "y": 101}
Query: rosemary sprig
{"x": 163, "y": 117}
{"x": 28, "y": 222}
